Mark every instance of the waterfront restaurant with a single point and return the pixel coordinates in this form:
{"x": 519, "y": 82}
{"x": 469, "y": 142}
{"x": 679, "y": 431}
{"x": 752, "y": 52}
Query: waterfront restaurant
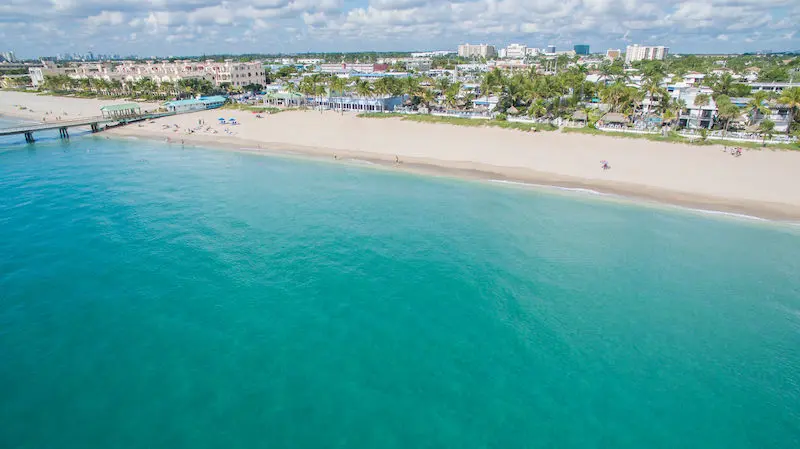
{"x": 123, "y": 110}
{"x": 381, "y": 104}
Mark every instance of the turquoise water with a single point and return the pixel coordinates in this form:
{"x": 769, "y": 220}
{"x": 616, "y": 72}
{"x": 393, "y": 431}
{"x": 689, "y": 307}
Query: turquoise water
{"x": 157, "y": 297}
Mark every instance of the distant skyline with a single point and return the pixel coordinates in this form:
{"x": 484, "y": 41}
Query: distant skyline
{"x": 161, "y": 28}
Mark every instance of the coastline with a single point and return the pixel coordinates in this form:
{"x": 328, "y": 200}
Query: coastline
{"x": 761, "y": 183}
{"x": 498, "y": 175}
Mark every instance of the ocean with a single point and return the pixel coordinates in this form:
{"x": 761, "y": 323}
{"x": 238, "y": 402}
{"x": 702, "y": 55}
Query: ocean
{"x": 166, "y": 297}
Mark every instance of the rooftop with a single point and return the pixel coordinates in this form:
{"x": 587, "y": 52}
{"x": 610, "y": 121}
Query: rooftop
{"x": 119, "y": 107}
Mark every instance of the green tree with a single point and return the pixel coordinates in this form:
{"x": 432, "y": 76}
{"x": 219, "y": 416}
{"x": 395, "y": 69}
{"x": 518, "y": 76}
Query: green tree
{"x": 726, "y": 111}
{"x": 756, "y": 105}
{"x": 363, "y": 88}
{"x": 791, "y": 98}
{"x": 701, "y": 100}
{"x": 766, "y": 127}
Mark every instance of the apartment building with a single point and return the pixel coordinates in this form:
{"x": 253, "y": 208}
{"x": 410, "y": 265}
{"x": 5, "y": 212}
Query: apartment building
{"x": 638, "y": 52}
{"x": 237, "y": 74}
{"x": 516, "y": 51}
{"x": 477, "y": 51}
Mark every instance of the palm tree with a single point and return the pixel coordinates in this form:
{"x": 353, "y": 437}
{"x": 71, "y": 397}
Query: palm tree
{"x": 451, "y": 95}
{"x": 607, "y": 72}
{"x": 766, "y": 127}
{"x": 537, "y": 109}
{"x": 726, "y": 110}
{"x": 616, "y": 95}
{"x": 492, "y": 82}
{"x": 723, "y": 85}
{"x": 442, "y": 84}
{"x": 668, "y": 115}
{"x": 411, "y": 86}
{"x": 701, "y": 100}
{"x": 652, "y": 88}
{"x": 382, "y": 86}
{"x": 791, "y": 97}
{"x": 756, "y": 105}
{"x": 679, "y": 105}
{"x": 427, "y": 97}
{"x": 363, "y": 88}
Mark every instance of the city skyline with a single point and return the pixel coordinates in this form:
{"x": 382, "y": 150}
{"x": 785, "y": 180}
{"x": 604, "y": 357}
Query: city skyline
{"x": 184, "y": 27}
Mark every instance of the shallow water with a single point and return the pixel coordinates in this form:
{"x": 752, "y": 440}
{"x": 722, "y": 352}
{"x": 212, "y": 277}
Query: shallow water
{"x": 153, "y": 296}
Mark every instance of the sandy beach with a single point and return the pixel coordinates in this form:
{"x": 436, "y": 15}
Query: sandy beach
{"x": 762, "y": 183}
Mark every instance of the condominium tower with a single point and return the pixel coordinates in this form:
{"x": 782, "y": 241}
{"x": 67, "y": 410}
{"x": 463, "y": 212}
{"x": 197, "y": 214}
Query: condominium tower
{"x": 477, "y": 51}
{"x": 638, "y": 52}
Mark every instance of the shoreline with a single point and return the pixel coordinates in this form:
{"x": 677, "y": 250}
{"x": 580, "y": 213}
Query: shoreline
{"x": 761, "y": 183}
{"x": 497, "y": 175}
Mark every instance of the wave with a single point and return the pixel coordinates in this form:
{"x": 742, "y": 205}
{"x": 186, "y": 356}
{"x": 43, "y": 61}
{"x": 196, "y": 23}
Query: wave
{"x": 548, "y": 186}
{"x": 723, "y": 213}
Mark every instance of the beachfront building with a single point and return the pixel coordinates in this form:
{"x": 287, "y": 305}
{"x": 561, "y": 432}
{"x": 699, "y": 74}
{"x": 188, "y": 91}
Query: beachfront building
{"x": 695, "y": 115}
{"x": 638, "y": 52}
{"x": 780, "y": 114}
{"x": 771, "y": 87}
{"x": 195, "y": 104}
{"x": 283, "y": 98}
{"x": 238, "y": 74}
{"x": 361, "y": 104}
{"x": 486, "y": 103}
{"x": 477, "y": 51}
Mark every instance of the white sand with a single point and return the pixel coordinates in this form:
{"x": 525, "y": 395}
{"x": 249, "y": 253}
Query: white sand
{"x": 761, "y": 182}
{"x": 38, "y": 107}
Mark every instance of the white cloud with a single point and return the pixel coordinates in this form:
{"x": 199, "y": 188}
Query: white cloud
{"x": 106, "y": 18}
{"x": 204, "y": 26}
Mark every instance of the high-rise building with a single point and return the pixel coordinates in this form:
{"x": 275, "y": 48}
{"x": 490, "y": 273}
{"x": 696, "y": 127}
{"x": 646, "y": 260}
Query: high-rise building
{"x": 477, "y": 51}
{"x": 581, "y": 49}
{"x": 8, "y": 56}
{"x": 551, "y": 49}
{"x": 516, "y": 51}
{"x": 638, "y": 52}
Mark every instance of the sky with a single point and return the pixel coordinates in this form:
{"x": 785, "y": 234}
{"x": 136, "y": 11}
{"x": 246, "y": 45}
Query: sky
{"x": 33, "y": 28}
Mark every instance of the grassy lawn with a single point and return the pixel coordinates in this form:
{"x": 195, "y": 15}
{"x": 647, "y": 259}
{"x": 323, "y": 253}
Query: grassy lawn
{"x": 676, "y": 138}
{"x": 460, "y": 121}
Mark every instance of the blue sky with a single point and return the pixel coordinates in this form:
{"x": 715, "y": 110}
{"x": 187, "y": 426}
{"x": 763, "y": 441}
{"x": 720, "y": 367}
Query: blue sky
{"x": 193, "y": 27}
